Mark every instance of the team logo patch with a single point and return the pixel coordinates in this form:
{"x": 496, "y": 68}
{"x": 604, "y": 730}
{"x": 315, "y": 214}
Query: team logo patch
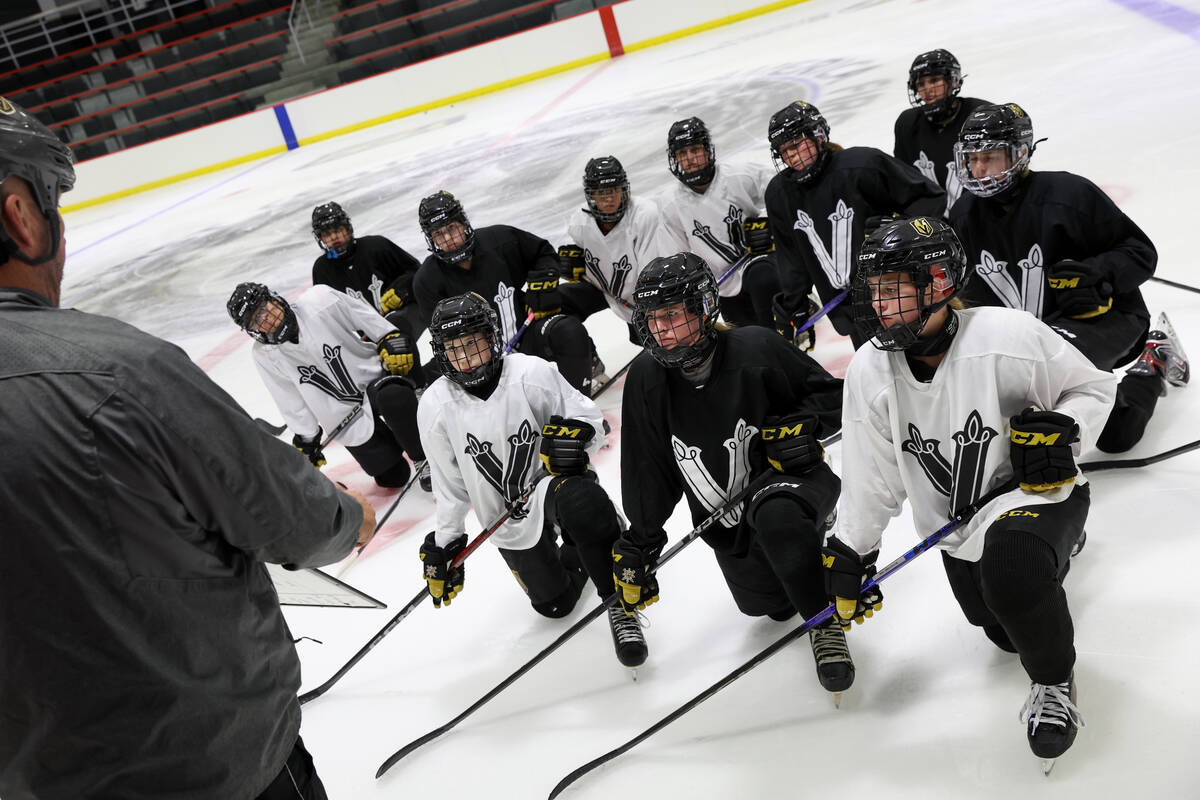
{"x": 6, "y": 107}
{"x": 922, "y": 226}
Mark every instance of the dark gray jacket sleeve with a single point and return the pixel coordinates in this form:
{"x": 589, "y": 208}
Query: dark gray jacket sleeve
{"x": 257, "y": 493}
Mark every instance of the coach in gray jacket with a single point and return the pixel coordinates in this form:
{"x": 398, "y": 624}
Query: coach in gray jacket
{"x": 142, "y": 650}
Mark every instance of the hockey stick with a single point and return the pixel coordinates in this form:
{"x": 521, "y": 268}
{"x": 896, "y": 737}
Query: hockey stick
{"x": 599, "y": 610}
{"x": 959, "y": 519}
{"x": 1124, "y": 463}
{"x": 508, "y": 348}
{"x": 341, "y": 428}
{"x": 744, "y": 261}
{"x": 825, "y": 309}
{"x": 482, "y": 537}
{"x": 416, "y": 476}
{"x": 1183, "y": 286}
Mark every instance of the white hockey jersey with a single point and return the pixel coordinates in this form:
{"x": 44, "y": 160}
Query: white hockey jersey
{"x": 711, "y": 223}
{"x": 614, "y": 259}
{"x": 945, "y": 443}
{"x": 484, "y": 453}
{"x": 319, "y": 381}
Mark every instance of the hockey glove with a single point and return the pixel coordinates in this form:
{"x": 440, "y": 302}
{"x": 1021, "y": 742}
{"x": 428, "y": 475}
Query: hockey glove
{"x": 396, "y": 353}
{"x": 845, "y": 573}
{"x": 311, "y": 448}
{"x": 564, "y": 445}
{"x": 437, "y": 564}
{"x": 390, "y": 301}
{"x": 635, "y": 583}
{"x": 1080, "y": 292}
{"x": 570, "y": 258}
{"x": 757, "y": 236}
{"x": 543, "y": 297}
{"x": 788, "y": 325}
{"x": 791, "y": 442}
{"x": 1040, "y": 449}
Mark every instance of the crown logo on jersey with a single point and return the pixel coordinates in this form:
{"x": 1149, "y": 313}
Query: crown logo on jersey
{"x": 922, "y": 226}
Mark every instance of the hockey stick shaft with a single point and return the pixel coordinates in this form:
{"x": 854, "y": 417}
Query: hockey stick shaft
{"x": 1125, "y": 463}
{"x": 379, "y": 525}
{"x": 825, "y": 309}
{"x": 616, "y": 375}
{"x": 927, "y": 543}
{"x": 1183, "y": 286}
{"x": 745, "y": 260}
{"x": 508, "y": 348}
{"x": 757, "y": 482}
{"x": 416, "y": 601}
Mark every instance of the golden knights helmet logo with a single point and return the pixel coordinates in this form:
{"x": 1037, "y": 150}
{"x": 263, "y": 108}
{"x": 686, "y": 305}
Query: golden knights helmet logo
{"x": 922, "y": 226}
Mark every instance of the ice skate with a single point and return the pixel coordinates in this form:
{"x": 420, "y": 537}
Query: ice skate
{"x": 628, "y": 639}
{"x": 835, "y": 668}
{"x": 1052, "y": 720}
{"x": 1163, "y": 356}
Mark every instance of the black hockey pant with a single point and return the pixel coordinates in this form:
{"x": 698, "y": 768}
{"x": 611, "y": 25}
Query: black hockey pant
{"x": 752, "y": 305}
{"x": 563, "y": 340}
{"x": 394, "y": 402}
{"x": 553, "y": 576}
{"x": 297, "y": 780}
{"x": 781, "y": 570}
{"x": 1015, "y": 592}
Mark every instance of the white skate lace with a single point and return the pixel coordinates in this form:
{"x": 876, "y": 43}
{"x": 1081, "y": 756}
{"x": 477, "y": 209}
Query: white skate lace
{"x": 829, "y": 645}
{"x": 628, "y": 628}
{"x": 1050, "y": 704}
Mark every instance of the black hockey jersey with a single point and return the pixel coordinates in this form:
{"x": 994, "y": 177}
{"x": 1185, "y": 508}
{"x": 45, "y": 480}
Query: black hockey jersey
{"x": 375, "y": 265}
{"x": 930, "y": 147}
{"x": 818, "y": 226}
{"x": 502, "y": 259}
{"x": 680, "y": 438}
{"x": 1056, "y": 216}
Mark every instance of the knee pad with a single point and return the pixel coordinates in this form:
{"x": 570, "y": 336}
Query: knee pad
{"x": 394, "y": 477}
{"x": 393, "y": 393}
{"x": 815, "y": 495}
{"x": 582, "y": 509}
{"x": 565, "y": 336}
{"x": 564, "y": 604}
{"x": 1017, "y": 573}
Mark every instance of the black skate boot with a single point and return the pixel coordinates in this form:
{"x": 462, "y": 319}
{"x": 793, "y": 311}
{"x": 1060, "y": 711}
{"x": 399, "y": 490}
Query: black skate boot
{"x": 835, "y": 668}
{"x": 1052, "y": 720}
{"x": 627, "y": 636}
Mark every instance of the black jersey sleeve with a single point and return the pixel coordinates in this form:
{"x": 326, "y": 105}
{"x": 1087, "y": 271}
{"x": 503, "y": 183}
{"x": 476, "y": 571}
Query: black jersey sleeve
{"x": 535, "y": 252}
{"x": 792, "y": 262}
{"x": 651, "y": 486}
{"x": 809, "y": 386}
{"x": 897, "y": 187}
{"x": 1112, "y": 242}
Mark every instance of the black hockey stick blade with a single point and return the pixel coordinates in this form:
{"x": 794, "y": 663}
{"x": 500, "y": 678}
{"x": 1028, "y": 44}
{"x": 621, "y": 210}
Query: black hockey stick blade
{"x": 959, "y": 519}
{"x": 1126, "y": 463}
{"x": 671, "y": 552}
{"x": 274, "y": 430}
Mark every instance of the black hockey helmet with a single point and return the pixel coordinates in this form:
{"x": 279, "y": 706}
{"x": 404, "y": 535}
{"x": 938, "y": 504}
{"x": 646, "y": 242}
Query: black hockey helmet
{"x": 935, "y": 62}
{"x": 684, "y": 133}
{"x": 327, "y": 217}
{"x": 682, "y": 278}
{"x": 30, "y": 150}
{"x": 460, "y": 316}
{"x": 798, "y": 120}
{"x": 244, "y": 306}
{"x": 601, "y": 174}
{"x": 437, "y": 211}
{"x": 1003, "y": 127}
{"x": 923, "y": 251}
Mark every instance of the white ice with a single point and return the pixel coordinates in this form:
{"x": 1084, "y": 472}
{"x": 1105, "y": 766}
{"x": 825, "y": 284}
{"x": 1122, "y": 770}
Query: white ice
{"x": 933, "y": 712}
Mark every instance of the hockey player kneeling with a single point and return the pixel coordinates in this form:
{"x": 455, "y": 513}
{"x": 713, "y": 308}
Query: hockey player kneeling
{"x": 487, "y": 423}
{"x": 323, "y": 356}
{"x": 947, "y": 405}
{"x": 706, "y": 409}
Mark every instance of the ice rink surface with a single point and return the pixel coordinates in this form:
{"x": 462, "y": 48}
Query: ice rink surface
{"x": 933, "y": 712}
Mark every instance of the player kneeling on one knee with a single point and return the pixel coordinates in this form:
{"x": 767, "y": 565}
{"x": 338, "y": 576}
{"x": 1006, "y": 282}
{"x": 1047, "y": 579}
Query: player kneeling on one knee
{"x": 494, "y": 426}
